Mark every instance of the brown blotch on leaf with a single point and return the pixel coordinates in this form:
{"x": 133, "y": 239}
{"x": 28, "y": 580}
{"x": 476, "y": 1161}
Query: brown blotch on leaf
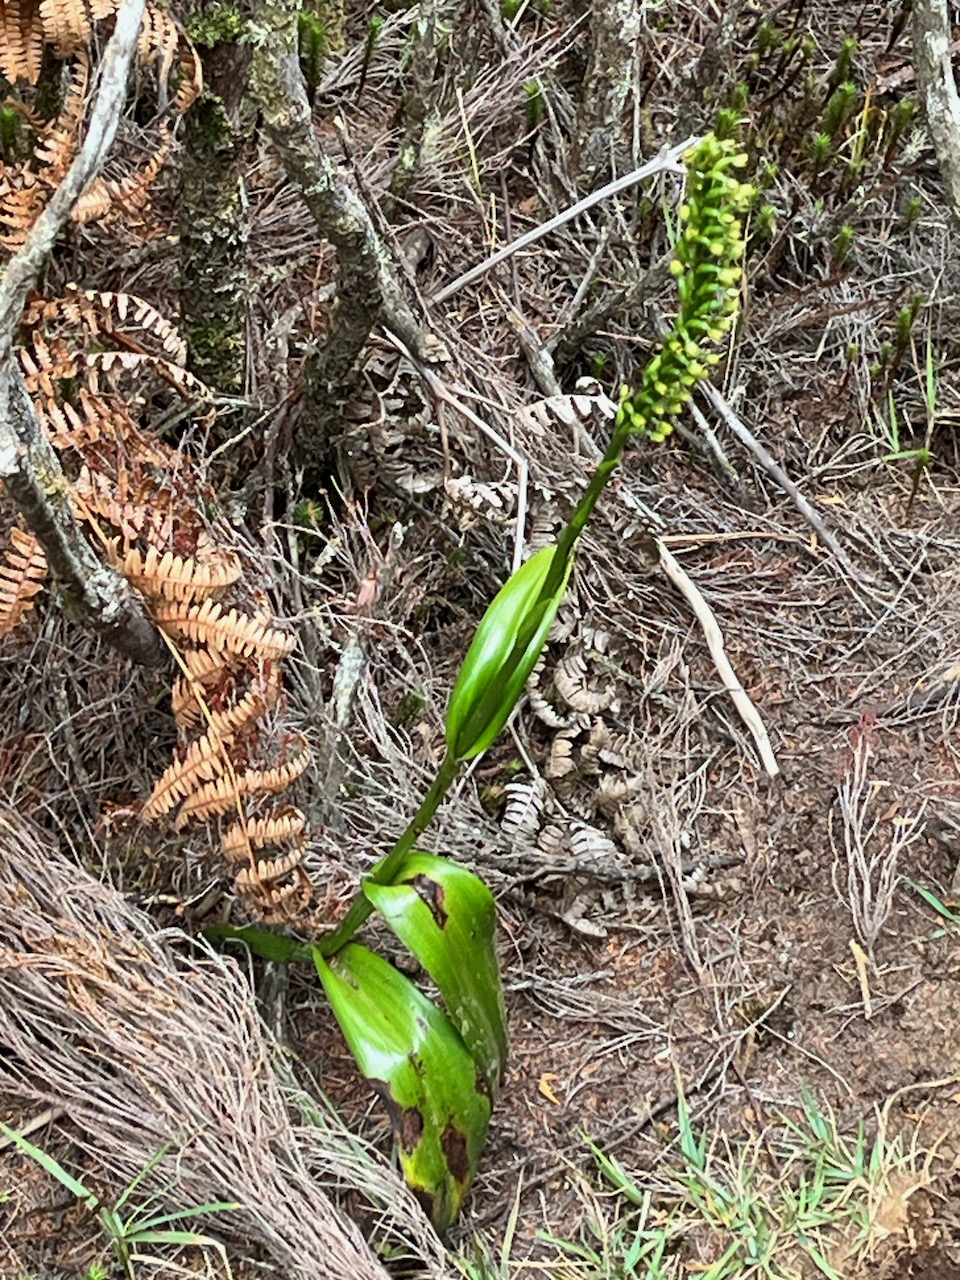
{"x": 433, "y": 895}
{"x": 456, "y": 1154}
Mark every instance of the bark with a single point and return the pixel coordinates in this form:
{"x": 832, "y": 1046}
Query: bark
{"x": 214, "y": 225}
{"x": 419, "y": 99}
{"x": 368, "y": 291}
{"x": 94, "y": 595}
{"x": 90, "y": 593}
{"x": 934, "y": 71}
{"x": 611, "y": 75}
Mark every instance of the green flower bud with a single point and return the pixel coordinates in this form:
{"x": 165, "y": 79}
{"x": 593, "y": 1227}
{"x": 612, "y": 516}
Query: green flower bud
{"x": 505, "y": 649}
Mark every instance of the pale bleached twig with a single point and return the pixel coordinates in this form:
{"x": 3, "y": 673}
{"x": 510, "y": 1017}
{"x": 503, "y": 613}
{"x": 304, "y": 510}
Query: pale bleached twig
{"x": 668, "y": 159}
{"x": 714, "y": 638}
{"x": 933, "y": 65}
{"x": 777, "y": 473}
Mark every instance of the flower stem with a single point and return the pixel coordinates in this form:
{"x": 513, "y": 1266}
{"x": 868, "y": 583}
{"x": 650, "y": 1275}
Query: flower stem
{"x": 387, "y": 870}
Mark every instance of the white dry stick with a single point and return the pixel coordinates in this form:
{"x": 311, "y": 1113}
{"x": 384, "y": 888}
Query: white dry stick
{"x": 714, "y": 638}
{"x": 668, "y": 160}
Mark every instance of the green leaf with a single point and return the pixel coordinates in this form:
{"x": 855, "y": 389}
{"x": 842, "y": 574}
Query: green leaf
{"x": 447, "y": 917}
{"x": 262, "y": 942}
{"x": 416, "y": 1059}
{"x": 504, "y": 651}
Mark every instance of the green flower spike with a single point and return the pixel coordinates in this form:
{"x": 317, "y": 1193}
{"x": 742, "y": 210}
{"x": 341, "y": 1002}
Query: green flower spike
{"x": 706, "y": 266}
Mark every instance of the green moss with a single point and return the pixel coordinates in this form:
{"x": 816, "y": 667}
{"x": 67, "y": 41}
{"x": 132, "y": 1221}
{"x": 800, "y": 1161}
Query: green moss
{"x": 217, "y": 24}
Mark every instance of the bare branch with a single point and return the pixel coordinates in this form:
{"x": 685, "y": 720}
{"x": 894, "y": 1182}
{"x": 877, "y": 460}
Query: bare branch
{"x": 714, "y": 638}
{"x": 666, "y": 160}
{"x": 368, "y": 288}
{"x": 91, "y": 593}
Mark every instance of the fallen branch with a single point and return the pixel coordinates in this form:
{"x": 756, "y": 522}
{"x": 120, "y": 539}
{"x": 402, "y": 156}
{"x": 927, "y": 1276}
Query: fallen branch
{"x": 666, "y": 160}
{"x": 714, "y": 638}
{"x": 92, "y": 594}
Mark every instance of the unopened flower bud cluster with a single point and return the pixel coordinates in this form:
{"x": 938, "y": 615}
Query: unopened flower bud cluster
{"x": 706, "y": 266}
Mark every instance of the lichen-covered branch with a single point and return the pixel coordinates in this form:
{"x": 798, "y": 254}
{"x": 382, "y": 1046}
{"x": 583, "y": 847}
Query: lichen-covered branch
{"x": 369, "y": 290}
{"x": 934, "y": 71}
{"x": 90, "y": 592}
{"x": 419, "y": 98}
{"x": 214, "y": 222}
{"x": 94, "y": 595}
{"x": 611, "y": 75}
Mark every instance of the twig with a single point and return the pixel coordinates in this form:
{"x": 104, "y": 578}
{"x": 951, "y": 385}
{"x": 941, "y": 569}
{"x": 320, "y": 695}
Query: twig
{"x": 714, "y": 638}
{"x": 777, "y": 473}
{"x": 48, "y": 1116}
{"x": 93, "y": 594}
{"x": 666, "y": 160}
{"x": 934, "y": 70}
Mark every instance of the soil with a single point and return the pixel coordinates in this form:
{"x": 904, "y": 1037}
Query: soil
{"x": 673, "y": 921}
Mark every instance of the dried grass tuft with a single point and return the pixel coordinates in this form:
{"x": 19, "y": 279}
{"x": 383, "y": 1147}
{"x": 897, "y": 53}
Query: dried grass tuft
{"x": 147, "y": 1039}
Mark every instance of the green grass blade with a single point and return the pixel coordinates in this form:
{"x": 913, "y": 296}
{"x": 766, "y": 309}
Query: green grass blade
{"x": 52, "y": 1167}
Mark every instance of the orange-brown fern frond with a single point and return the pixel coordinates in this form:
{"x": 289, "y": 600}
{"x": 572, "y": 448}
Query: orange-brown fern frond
{"x": 22, "y": 573}
{"x": 173, "y": 577}
{"x": 21, "y": 40}
{"x": 66, "y": 25}
{"x": 221, "y": 795}
{"x": 230, "y": 631}
{"x": 284, "y": 826}
{"x": 203, "y": 761}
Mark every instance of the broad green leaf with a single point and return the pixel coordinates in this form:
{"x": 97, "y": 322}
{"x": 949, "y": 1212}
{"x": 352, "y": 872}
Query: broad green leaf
{"x": 416, "y": 1059}
{"x": 447, "y": 917}
{"x": 504, "y": 651}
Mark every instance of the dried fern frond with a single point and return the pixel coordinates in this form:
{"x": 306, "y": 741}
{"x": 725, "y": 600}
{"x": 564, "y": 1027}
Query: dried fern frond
{"x": 268, "y": 869}
{"x": 174, "y": 577}
{"x": 204, "y": 760}
{"x": 254, "y": 704}
{"x": 565, "y": 410}
{"x": 221, "y": 795}
{"x": 66, "y": 25}
{"x": 285, "y": 826}
{"x": 121, "y": 196}
{"x": 192, "y": 704}
{"x": 21, "y": 40}
{"x": 524, "y": 809}
{"x": 105, "y": 312}
{"x": 22, "y": 573}
{"x": 230, "y": 632}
